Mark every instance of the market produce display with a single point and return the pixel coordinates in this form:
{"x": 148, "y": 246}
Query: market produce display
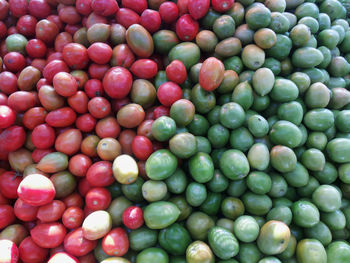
{"x": 156, "y": 131}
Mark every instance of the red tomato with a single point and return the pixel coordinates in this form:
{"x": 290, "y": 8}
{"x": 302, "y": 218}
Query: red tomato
{"x": 168, "y": 12}
{"x": 51, "y": 55}
{"x": 88, "y": 258}
{"x": 34, "y": 117}
{"x": 98, "y": 198}
{"x": 168, "y": 93}
{"x": 144, "y": 68}
{"x": 51, "y": 212}
{"x": 222, "y": 5}
{"x": 104, "y": 7}
{"x": 125, "y": 139}
{"x": 62, "y": 257}
{"x": 99, "y": 107}
{"x": 127, "y": 17}
{"x": 53, "y": 67}
{"x": 142, "y": 147}
{"x": 3, "y": 200}
{"x": 36, "y": 48}
{"x": 151, "y": 20}
{"x": 97, "y": 71}
{"x": 4, "y": 9}
{"x": 119, "y": 103}
{"x": 21, "y": 101}
{"x": 61, "y": 40}
{"x": 81, "y": 77}
{"x": 100, "y": 174}
{"x": 176, "y": 72}
{"x": 116, "y": 242}
{"x": 65, "y": 84}
{"x": 3, "y": 99}
{"x": 53, "y": 251}
{"x": 145, "y": 129}
{"x": 14, "y": 61}
{"x": 94, "y": 18}
{"x": 26, "y": 25}
{"x": 46, "y": 31}
{"x": 48, "y": 235}
{"x": 56, "y": 19}
{"x": 24, "y": 211}
{"x": 75, "y": 55}
{"x": 73, "y": 217}
{"x": 100, "y": 53}
{"x": 18, "y": 8}
{"x": 62, "y": 117}
{"x": 8, "y": 82}
{"x": 83, "y": 7}
{"x": 30, "y": 252}
{"x": 93, "y": 88}
{"x": 183, "y": 6}
{"x": 69, "y": 15}
{"x": 117, "y": 82}
{"x": 107, "y": 127}
{"x": 36, "y": 190}
{"x": 43, "y": 136}
{"x": 198, "y": 8}
{"x": 186, "y": 28}
{"x": 7, "y": 216}
{"x": 78, "y": 102}
{"x": 8, "y": 252}
{"x": 76, "y": 245}
{"x": 12, "y": 138}
{"x": 161, "y": 111}
{"x": 122, "y": 56}
{"x": 136, "y": 5}
{"x": 39, "y": 8}
{"x": 74, "y": 199}
{"x": 7, "y": 116}
{"x": 133, "y": 217}
{"x": 69, "y": 141}
{"x": 79, "y": 164}
{"x": 9, "y": 183}
{"x": 39, "y": 64}
{"x": 86, "y": 122}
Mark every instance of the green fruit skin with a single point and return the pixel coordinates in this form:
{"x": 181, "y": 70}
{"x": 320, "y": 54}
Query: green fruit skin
{"x": 174, "y": 239}
{"x": 187, "y": 52}
{"x": 311, "y": 251}
{"x": 319, "y": 119}
{"x": 198, "y": 225}
{"x": 159, "y": 215}
{"x": 285, "y": 133}
{"x": 152, "y": 254}
{"x": 307, "y": 57}
{"x": 223, "y": 242}
{"x": 116, "y": 209}
{"x": 234, "y": 164}
{"x": 201, "y": 167}
{"x": 305, "y": 214}
{"x": 338, "y": 251}
{"x": 142, "y": 238}
{"x": 338, "y": 150}
{"x": 284, "y": 90}
{"x": 183, "y": 145}
{"x": 164, "y": 41}
{"x": 161, "y": 165}
{"x": 203, "y": 101}
{"x": 258, "y": 156}
{"x": 139, "y": 40}
{"x": 246, "y": 228}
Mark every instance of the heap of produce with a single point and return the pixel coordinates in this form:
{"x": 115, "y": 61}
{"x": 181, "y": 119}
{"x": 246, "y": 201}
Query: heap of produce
{"x": 180, "y": 131}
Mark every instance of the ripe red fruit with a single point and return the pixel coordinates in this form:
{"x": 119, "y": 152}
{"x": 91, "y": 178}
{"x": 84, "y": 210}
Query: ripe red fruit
{"x": 133, "y": 217}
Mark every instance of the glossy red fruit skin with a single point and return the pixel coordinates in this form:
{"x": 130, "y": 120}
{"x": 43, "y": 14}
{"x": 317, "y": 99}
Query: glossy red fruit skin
{"x": 100, "y": 174}
{"x": 8, "y": 252}
{"x": 4, "y": 9}
{"x": 21, "y": 101}
{"x": 62, "y": 117}
{"x": 104, "y": 7}
{"x": 36, "y": 190}
{"x": 176, "y": 72}
{"x": 144, "y": 68}
{"x": 53, "y": 67}
{"x": 7, "y": 117}
{"x": 198, "y": 8}
{"x": 168, "y": 93}
{"x": 98, "y": 198}
{"x": 86, "y": 122}
{"x": 75, "y": 55}
{"x": 222, "y": 5}
{"x": 127, "y": 17}
{"x": 78, "y": 102}
{"x": 117, "y": 82}
{"x": 83, "y": 7}
{"x": 46, "y": 31}
{"x": 186, "y": 28}
{"x": 161, "y": 111}
{"x": 36, "y": 48}
{"x": 142, "y": 147}
{"x": 12, "y": 138}
{"x": 65, "y": 84}
{"x": 43, "y": 136}
{"x": 169, "y": 12}
{"x": 51, "y": 212}
{"x": 73, "y": 217}
{"x": 116, "y": 242}
{"x": 39, "y": 8}
{"x": 18, "y": 8}
{"x": 100, "y": 53}
{"x": 136, "y": 5}
{"x": 48, "y": 235}
{"x": 7, "y": 216}
{"x": 76, "y": 245}
{"x": 14, "y": 61}
{"x": 133, "y": 217}
{"x": 24, "y": 211}
{"x": 99, "y": 107}
{"x": 151, "y": 20}
{"x": 30, "y": 252}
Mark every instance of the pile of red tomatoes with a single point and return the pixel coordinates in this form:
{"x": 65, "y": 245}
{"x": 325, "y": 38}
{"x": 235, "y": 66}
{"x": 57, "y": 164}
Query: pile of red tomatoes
{"x": 74, "y": 95}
